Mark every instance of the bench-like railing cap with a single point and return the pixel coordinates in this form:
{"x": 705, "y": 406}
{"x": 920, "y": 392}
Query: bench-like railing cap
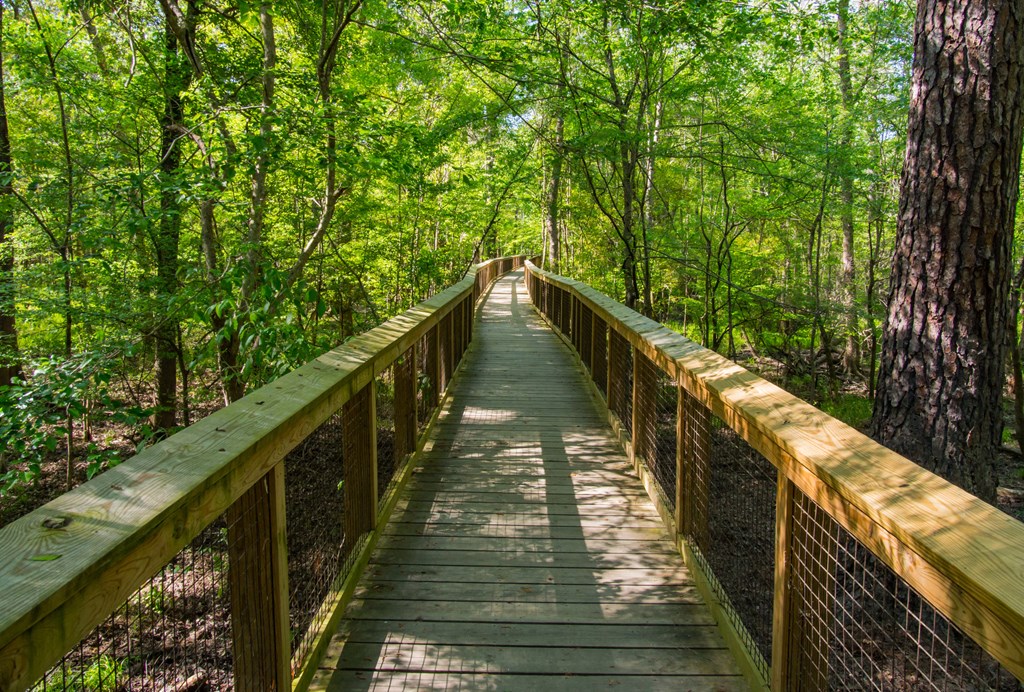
{"x": 940, "y": 529}
{"x": 96, "y": 543}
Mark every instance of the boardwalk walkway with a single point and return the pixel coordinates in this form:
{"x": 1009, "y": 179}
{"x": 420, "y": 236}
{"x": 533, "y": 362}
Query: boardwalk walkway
{"x": 524, "y": 555}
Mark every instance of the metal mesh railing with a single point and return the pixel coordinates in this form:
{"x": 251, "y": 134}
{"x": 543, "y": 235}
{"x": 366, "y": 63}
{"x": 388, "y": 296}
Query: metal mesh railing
{"x": 174, "y": 633}
{"x": 848, "y": 621}
{"x": 620, "y": 380}
{"x": 729, "y": 519}
{"x": 586, "y": 339}
{"x": 406, "y": 399}
{"x": 655, "y": 425}
{"x": 600, "y": 363}
{"x": 387, "y": 460}
{"x": 427, "y": 385}
{"x": 314, "y": 479}
{"x": 445, "y": 358}
{"x": 858, "y": 626}
{"x": 565, "y": 313}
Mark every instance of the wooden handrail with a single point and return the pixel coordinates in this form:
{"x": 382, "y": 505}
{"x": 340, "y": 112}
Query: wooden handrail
{"x": 963, "y": 555}
{"x": 67, "y": 565}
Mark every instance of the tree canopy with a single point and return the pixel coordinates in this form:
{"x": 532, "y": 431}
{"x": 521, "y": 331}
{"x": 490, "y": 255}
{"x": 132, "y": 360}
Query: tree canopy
{"x": 201, "y": 195}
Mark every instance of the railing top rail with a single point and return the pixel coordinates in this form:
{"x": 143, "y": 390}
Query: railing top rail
{"x": 938, "y": 526}
{"x": 125, "y": 524}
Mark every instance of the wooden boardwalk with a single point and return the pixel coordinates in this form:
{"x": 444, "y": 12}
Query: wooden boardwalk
{"x": 524, "y": 554}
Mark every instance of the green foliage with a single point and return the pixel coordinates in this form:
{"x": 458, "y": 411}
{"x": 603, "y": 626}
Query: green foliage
{"x": 34, "y": 416}
{"x": 103, "y": 673}
{"x": 852, "y": 409}
{"x": 717, "y": 132}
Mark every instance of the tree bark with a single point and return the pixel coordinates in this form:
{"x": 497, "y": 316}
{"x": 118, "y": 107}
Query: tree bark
{"x": 177, "y": 76}
{"x": 851, "y": 353}
{"x": 8, "y": 330}
{"x": 552, "y": 193}
{"x": 942, "y": 370}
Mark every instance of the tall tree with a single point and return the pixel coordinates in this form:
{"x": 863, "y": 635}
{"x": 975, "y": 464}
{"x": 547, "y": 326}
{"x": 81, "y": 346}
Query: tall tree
{"x": 942, "y": 367}
{"x": 8, "y": 331}
{"x": 851, "y": 354}
{"x": 167, "y": 234}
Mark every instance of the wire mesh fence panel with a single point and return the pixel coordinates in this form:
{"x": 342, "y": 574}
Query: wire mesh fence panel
{"x": 729, "y": 519}
{"x": 620, "y": 380}
{"x": 857, "y": 626}
{"x": 457, "y": 338}
{"x": 565, "y": 321}
{"x": 387, "y": 461}
{"x": 599, "y": 369}
{"x": 656, "y": 408}
{"x": 587, "y": 337}
{"x": 696, "y": 480}
{"x": 315, "y": 506}
{"x": 426, "y": 378}
{"x": 360, "y": 490}
{"x": 405, "y": 405}
{"x": 444, "y": 352}
{"x": 173, "y": 633}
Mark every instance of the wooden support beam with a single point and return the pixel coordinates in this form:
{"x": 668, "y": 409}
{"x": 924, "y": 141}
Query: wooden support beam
{"x": 258, "y": 578}
{"x": 682, "y": 485}
{"x": 783, "y": 620}
{"x": 360, "y": 440}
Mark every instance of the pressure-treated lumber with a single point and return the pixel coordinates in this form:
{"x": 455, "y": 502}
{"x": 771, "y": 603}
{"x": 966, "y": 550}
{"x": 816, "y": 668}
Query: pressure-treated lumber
{"x": 522, "y": 552}
{"x": 944, "y": 542}
{"x": 119, "y": 529}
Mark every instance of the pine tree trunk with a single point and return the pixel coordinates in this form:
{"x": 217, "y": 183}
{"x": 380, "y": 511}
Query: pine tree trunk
{"x": 941, "y": 375}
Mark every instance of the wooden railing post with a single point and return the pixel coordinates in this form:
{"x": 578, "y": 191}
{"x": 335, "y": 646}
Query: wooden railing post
{"x": 637, "y": 424}
{"x": 682, "y": 439}
{"x": 782, "y": 614}
{"x": 360, "y": 440}
{"x": 258, "y": 578}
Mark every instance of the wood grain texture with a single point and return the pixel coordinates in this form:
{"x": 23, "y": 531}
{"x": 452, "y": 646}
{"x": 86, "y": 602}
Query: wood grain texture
{"x": 964, "y": 542}
{"x": 523, "y": 551}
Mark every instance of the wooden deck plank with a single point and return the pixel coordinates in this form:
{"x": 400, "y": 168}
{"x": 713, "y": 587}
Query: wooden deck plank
{"x": 517, "y": 574}
{"x": 480, "y": 558}
{"x": 401, "y": 655}
{"x": 493, "y": 634}
{"x": 524, "y": 553}
{"x": 397, "y": 610}
{"x": 429, "y": 681}
{"x": 475, "y": 591}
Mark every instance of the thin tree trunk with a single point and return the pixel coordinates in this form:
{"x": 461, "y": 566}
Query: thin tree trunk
{"x": 851, "y": 353}
{"x": 177, "y": 76}
{"x": 648, "y": 198}
{"x": 551, "y": 196}
{"x": 8, "y": 329}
